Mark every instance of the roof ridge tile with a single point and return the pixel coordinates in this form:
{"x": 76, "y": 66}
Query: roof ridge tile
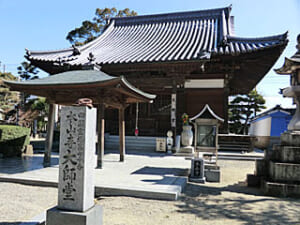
{"x": 186, "y": 15}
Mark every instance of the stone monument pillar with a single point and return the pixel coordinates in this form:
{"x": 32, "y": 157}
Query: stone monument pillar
{"x": 197, "y": 170}
{"x": 76, "y": 169}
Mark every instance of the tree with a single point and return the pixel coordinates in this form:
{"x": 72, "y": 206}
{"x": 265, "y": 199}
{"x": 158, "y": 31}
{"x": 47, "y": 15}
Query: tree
{"x": 42, "y": 106}
{"x": 8, "y": 99}
{"x": 27, "y": 71}
{"x": 242, "y": 109}
{"x": 89, "y": 30}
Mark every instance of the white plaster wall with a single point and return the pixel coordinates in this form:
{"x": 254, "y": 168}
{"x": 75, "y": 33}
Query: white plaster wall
{"x": 261, "y": 127}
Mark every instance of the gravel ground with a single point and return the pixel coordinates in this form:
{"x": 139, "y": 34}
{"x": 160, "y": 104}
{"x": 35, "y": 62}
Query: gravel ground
{"x": 19, "y": 203}
{"x": 228, "y": 202}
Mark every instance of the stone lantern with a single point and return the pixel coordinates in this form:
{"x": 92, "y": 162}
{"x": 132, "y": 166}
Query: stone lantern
{"x": 206, "y": 124}
{"x": 278, "y": 173}
{"x": 292, "y": 67}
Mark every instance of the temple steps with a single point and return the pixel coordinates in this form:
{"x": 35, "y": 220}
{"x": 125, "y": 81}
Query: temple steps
{"x": 131, "y": 142}
{"x": 232, "y": 142}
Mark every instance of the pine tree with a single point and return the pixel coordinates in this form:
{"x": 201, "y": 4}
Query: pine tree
{"x": 89, "y": 30}
{"x": 8, "y": 99}
{"x": 242, "y": 109}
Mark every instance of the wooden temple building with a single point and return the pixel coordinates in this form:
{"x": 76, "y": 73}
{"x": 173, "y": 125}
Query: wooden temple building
{"x": 188, "y": 58}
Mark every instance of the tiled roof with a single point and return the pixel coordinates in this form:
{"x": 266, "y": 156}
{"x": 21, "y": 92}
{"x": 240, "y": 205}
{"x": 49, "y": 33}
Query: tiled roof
{"x": 76, "y": 79}
{"x": 291, "y": 63}
{"x": 180, "y": 36}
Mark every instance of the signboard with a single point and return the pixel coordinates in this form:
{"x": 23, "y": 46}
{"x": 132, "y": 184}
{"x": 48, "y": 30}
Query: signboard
{"x": 160, "y": 144}
{"x": 173, "y": 110}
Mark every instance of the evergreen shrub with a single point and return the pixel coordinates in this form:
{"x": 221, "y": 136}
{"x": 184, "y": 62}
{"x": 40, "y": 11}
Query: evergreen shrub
{"x": 13, "y": 140}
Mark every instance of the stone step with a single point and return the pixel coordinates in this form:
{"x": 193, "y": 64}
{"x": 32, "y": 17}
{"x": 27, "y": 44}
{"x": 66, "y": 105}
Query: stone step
{"x": 178, "y": 186}
{"x": 144, "y": 138}
{"x": 135, "y": 146}
{"x": 281, "y": 189}
{"x": 288, "y": 172}
{"x": 253, "y": 180}
{"x": 132, "y": 142}
{"x": 234, "y": 148}
{"x": 290, "y": 138}
{"x": 129, "y": 147}
{"x": 230, "y": 142}
{"x": 233, "y": 143}
{"x": 286, "y": 154}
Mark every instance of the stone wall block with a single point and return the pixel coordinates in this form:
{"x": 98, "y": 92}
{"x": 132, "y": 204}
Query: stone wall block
{"x": 261, "y": 167}
{"x": 290, "y": 139}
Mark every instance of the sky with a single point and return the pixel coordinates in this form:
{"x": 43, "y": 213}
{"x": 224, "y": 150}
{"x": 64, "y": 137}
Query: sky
{"x": 44, "y": 24}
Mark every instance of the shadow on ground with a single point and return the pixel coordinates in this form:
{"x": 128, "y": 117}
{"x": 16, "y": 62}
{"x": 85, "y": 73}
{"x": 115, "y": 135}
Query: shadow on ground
{"x": 168, "y": 175}
{"x": 17, "y": 223}
{"x": 23, "y": 164}
{"x": 198, "y": 190}
{"x": 148, "y": 170}
{"x": 20, "y": 223}
{"x": 208, "y": 204}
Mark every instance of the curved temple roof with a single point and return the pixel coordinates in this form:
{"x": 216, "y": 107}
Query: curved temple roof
{"x": 67, "y": 87}
{"x": 168, "y": 37}
{"x": 290, "y": 64}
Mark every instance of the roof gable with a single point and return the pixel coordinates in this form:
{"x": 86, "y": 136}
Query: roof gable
{"x": 207, "y": 113}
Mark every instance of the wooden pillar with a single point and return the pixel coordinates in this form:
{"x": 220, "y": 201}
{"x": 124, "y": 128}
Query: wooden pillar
{"x": 173, "y": 110}
{"x": 101, "y": 130}
{"x": 122, "y": 133}
{"x": 49, "y": 137}
{"x": 225, "y": 103}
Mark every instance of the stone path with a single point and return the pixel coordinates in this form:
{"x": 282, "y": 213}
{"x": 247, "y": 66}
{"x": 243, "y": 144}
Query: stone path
{"x": 156, "y": 176}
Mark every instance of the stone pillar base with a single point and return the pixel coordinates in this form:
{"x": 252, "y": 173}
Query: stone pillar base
{"x": 186, "y": 151}
{"x": 290, "y": 138}
{"x": 197, "y": 180}
{"x": 93, "y": 216}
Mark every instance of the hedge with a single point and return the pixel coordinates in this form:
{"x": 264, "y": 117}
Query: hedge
{"x": 13, "y": 139}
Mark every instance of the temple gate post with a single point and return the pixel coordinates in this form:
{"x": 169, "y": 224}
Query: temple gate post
{"x": 101, "y": 130}
{"x": 122, "y": 133}
{"x": 49, "y": 137}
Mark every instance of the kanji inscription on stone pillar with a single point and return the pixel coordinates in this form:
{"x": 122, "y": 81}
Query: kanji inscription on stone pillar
{"x": 76, "y": 158}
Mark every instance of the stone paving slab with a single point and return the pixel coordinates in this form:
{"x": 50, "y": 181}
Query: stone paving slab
{"x": 156, "y": 176}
